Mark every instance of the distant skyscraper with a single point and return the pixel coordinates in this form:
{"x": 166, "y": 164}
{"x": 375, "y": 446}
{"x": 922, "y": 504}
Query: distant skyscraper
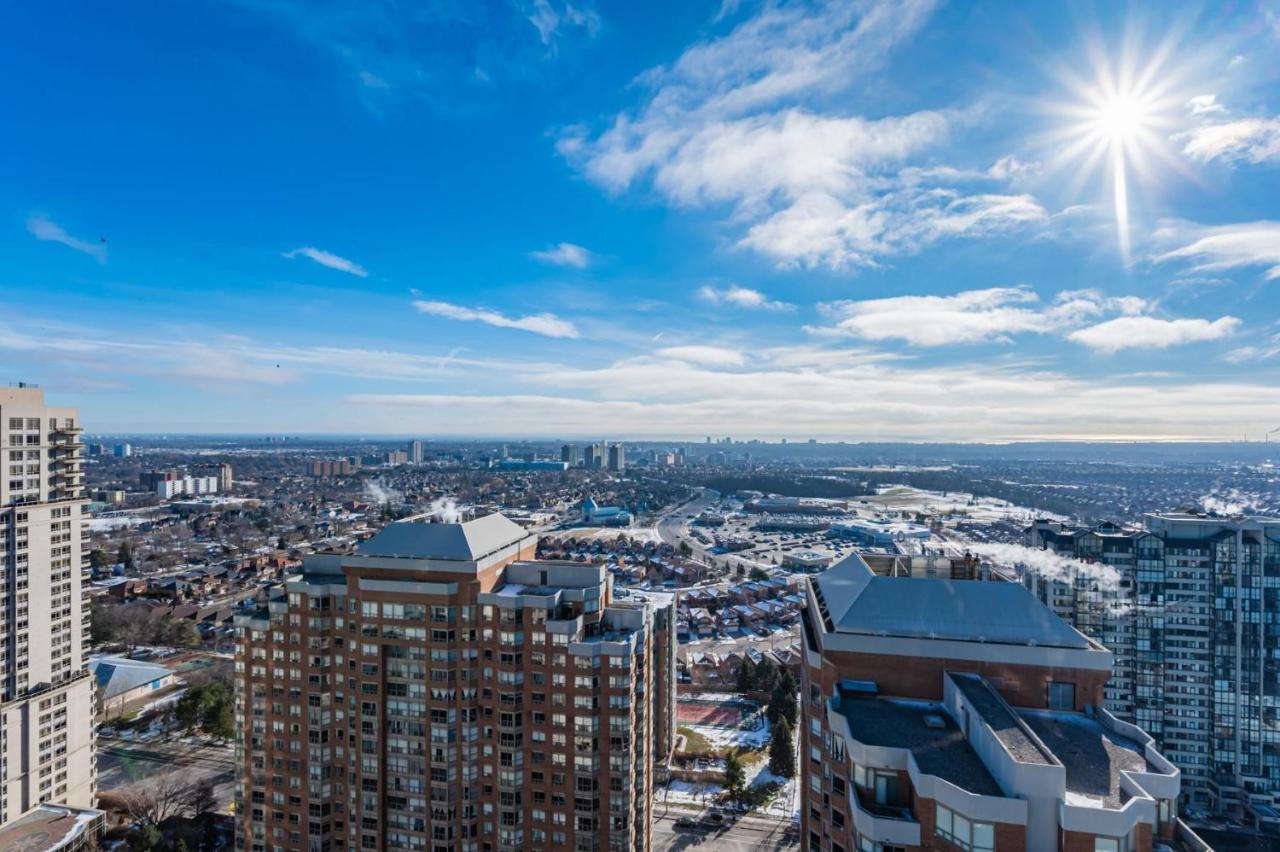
{"x": 593, "y": 456}
{"x": 617, "y": 458}
{"x": 569, "y": 454}
{"x": 416, "y": 454}
{"x": 123, "y": 451}
{"x": 47, "y": 693}
{"x": 1192, "y": 615}
{"x": 441, "y": 689}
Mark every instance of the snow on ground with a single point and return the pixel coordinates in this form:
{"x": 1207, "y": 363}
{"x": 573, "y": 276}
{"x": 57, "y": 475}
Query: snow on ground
{"x": 787, "y": 802}
{"x": 109, "y": 524}
{"x": 721, "y": 737}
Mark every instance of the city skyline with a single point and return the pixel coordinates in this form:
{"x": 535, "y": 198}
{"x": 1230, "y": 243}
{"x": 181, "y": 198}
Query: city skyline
{"x": 876, "y": 221}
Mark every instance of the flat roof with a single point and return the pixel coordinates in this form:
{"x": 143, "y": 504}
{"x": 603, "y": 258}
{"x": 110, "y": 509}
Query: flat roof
{"x": 860, "y": 601}
{"x": 45, "y": 828}
{"x": 1007, "y": 726}
{"x": 940, "y": 751}
{"x": 1092, "y": 755}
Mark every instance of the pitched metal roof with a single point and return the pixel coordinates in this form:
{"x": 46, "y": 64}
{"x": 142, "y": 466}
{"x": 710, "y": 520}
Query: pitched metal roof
{"x": 118, "y": 675}
{"x": 860, "y": 601}
{"x": 464, "y": 542}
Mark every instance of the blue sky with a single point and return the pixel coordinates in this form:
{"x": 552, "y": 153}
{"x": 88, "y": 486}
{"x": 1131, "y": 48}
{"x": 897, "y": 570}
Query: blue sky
{"x": 870, "y": 221}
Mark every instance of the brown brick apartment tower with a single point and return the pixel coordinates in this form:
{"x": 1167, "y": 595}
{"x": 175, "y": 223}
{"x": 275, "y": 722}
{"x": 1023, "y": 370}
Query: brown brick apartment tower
{"x": 442, "y": 690}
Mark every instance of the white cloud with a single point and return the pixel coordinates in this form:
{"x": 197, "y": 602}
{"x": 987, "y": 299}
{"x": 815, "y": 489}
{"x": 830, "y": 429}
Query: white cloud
{"x": 973, "y": 316}
{"x": 564, "y": 254}
{"x": 997, "y": 313}
{"x": 1205, "y": 104}
{"x": 545, "y": 324}
{"x": 1245, "y": 354}
{"x": 732, "y": 124}
{"x": 741, "y": 297}
{"x": 548, "y": 21}
{"x": 1252, "y": 140}
{"x": 1012, "y": 169}
{"x": 330, "y": 260}
{"x": 45, "y": 229}
{"x": 1142, "y": 332}
{"x": 713, "y": 356}
{"x": 1216, "y": 248}
{"x": 833, "y": 398}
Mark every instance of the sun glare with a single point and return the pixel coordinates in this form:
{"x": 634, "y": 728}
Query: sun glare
{"x": 1120, "y": 122}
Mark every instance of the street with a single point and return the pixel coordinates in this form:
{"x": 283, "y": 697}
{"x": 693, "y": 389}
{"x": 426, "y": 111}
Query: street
{"x": 748, "y": 832}
{"x": 122, "y": 763}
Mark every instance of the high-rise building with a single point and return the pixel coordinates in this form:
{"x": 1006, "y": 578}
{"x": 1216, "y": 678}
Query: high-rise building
{"x": 46, "y": 741}
{"x": 1191, "y": 607}
{"x": 594, "y": 456}
{"x": 416, "y": 455}
{"x": 122, "y": 451}
{"x": 949, "y": 714}
{"x": 327, "y": 468}
{"x": 442, "y": 689}
{"x": 617, "y": 458}
{"x": 569, "y": 454}
{"x": 220, "y": 470}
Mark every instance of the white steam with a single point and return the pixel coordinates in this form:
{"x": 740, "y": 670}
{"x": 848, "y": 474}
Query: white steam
{"x": 1049, "y": 565}
{"x": 444, "y": 510}
{"x": 376, "y": 492}
{"x": 1229, "y": 502}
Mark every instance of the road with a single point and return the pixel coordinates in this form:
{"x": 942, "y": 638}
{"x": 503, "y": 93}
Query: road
{"x": 122, "y": 763}
{"x": 752, "y": 833}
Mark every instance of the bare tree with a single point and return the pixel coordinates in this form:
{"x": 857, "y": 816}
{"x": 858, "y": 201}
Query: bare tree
{"x": 156, "y": 800}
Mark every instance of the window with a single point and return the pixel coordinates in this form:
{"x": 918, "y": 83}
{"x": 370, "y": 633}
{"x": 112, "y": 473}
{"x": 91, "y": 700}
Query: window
{"x": 960, "y": 830}
{"x": 1062, "y": 696}
{"x": 1111, "y": 844}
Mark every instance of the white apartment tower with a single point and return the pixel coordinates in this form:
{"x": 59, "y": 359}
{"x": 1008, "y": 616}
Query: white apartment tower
{"x": 46, "y": 693}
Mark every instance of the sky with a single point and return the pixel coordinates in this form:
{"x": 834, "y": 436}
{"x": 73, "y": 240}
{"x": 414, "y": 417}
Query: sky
{"x": 897, "y": 220}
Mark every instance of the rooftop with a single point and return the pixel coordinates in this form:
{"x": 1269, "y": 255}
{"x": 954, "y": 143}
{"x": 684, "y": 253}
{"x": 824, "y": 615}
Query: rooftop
{"x": 1008, "y": 727}
{"x": 941, "y": 751}
{"x": 1092, "y": 755}
{"x": 860, "y": 601}
{"x": 465, "y": 542}
{"x": 118, "y": 675}
{"x": 45, "y": 828}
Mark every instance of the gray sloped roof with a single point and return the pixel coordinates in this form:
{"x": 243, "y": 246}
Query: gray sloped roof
{"x": 459, "y": 542}
{"x": 118, "y": 675}
{"x": 860, "y": 601}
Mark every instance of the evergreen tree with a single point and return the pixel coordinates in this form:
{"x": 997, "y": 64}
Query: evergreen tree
{"x": 782, "y": 752}
{"x": 735, "y": 778}
{"x": 125, "y": 555}
{"x": 746, "y": 675}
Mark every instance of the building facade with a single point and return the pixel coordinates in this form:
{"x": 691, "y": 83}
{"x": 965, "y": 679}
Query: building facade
{"x": 617, "y": 458}
{"x": 1192, "y": 608}
{"x": 46, "y": 696}
{"x": 963, "y": 714}
{"x": 442, "y": 690}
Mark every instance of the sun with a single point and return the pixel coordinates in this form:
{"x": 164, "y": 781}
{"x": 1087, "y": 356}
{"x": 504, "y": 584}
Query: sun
{"x": 1119, "y": 121}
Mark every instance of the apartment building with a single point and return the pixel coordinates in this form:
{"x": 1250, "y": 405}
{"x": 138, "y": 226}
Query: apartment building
{"x": 441, "y": 689}
{"x": 1191, "y": 607}
{"x": 949, "y": 714}
{"x": 46, "y": 693}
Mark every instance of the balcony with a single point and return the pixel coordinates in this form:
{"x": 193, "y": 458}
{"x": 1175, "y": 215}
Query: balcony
{"x": 886, "y": 824}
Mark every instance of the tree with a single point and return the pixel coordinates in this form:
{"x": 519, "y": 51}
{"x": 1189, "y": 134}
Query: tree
{"x": 782, "y": 751}
{"x": 200, "y": 798}
{"x": 746, "y": 675}
{"x": 685, "y": 550}
{"x": 125, "y": 555}
{"x": 735, "y": 779}
{"x": 209, "y": 708}
{"x": 766, "y": 675}
{"x": 149, "y": 838}
{"x": 758, "y": 573}
{"x": 98, "y": 559}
